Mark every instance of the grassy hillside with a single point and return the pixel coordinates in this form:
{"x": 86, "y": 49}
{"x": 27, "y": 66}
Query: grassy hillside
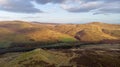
{"x": 71, "y": 29}
{"x": 93, "y": 34}
{"x": 39, "y": 58}
{"x": 26, "y": 32}
{"x": 89, "y": 56}
{"x": 115, "y": 32}
{"x": 49, "y": 35}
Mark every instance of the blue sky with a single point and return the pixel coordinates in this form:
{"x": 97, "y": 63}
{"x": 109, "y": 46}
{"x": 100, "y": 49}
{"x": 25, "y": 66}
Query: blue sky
{"x": 61, "y": 11}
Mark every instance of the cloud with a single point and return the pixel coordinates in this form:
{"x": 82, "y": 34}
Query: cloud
{"x": 102, "y": 6}
{"x": 31, "y": 17}
{"x": 49, "y": 1}
{"x": 20, "y": 6}
{"x": 106, "y": 10}
{"x": 4, "y": 17}
{"x": 81, "y": 6}
{"x": 112, "y": 7}
{"x": 24, "y": 6}
{"x": 75, "y": 6}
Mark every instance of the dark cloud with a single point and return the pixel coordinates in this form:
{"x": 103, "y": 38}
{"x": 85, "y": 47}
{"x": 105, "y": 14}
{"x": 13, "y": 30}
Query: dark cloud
{"x": 49, "y": 1}
{"x": 21, "y": 6}
{"x": 42, "y": 1}
{"x": 100, "y": 0}
{"x": 108, "y": 10}
{"x": 77, "y": 10}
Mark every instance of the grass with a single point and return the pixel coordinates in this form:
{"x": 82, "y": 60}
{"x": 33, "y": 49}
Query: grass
{"x": 93, "y": 34}
{"x": 4, "y": 44}
{"x": 50, "y": 35}
{"x": 66, "y": 40}
{"x": 19, "y": 31}
{"x": 112, "y": 32}
{"x": 7, "y": 40}
{"x": 39, "y": 58}
{"x": 66, "y": 58}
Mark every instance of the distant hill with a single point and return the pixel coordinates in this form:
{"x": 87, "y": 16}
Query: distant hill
{"x": 21, "y": 31}
{"x": 93, "y": 34}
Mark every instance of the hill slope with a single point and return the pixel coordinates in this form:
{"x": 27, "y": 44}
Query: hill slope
{"x": 89, "y": 56}
{"x": 24, "y": 32}
{"x": 51, "y": 36}
{"x": 93, "y": 34}
{"x": 20, "y": 31}
{"x": 39, "y": 58}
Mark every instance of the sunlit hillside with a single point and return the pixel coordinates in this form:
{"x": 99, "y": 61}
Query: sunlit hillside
{"x": 49, "y": 35}
{"x": 93, "y": 34}
{"x": 23, "y": 32}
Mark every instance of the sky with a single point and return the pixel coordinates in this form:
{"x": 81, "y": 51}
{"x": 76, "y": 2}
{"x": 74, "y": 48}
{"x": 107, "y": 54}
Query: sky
{"x": 61, "y": 11}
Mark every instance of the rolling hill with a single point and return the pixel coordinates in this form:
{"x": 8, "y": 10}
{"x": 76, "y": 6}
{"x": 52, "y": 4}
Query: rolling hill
{"x": 27, "y": 32}
{"x": 93, "y": 34}
{"x": 39, "y": 58}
